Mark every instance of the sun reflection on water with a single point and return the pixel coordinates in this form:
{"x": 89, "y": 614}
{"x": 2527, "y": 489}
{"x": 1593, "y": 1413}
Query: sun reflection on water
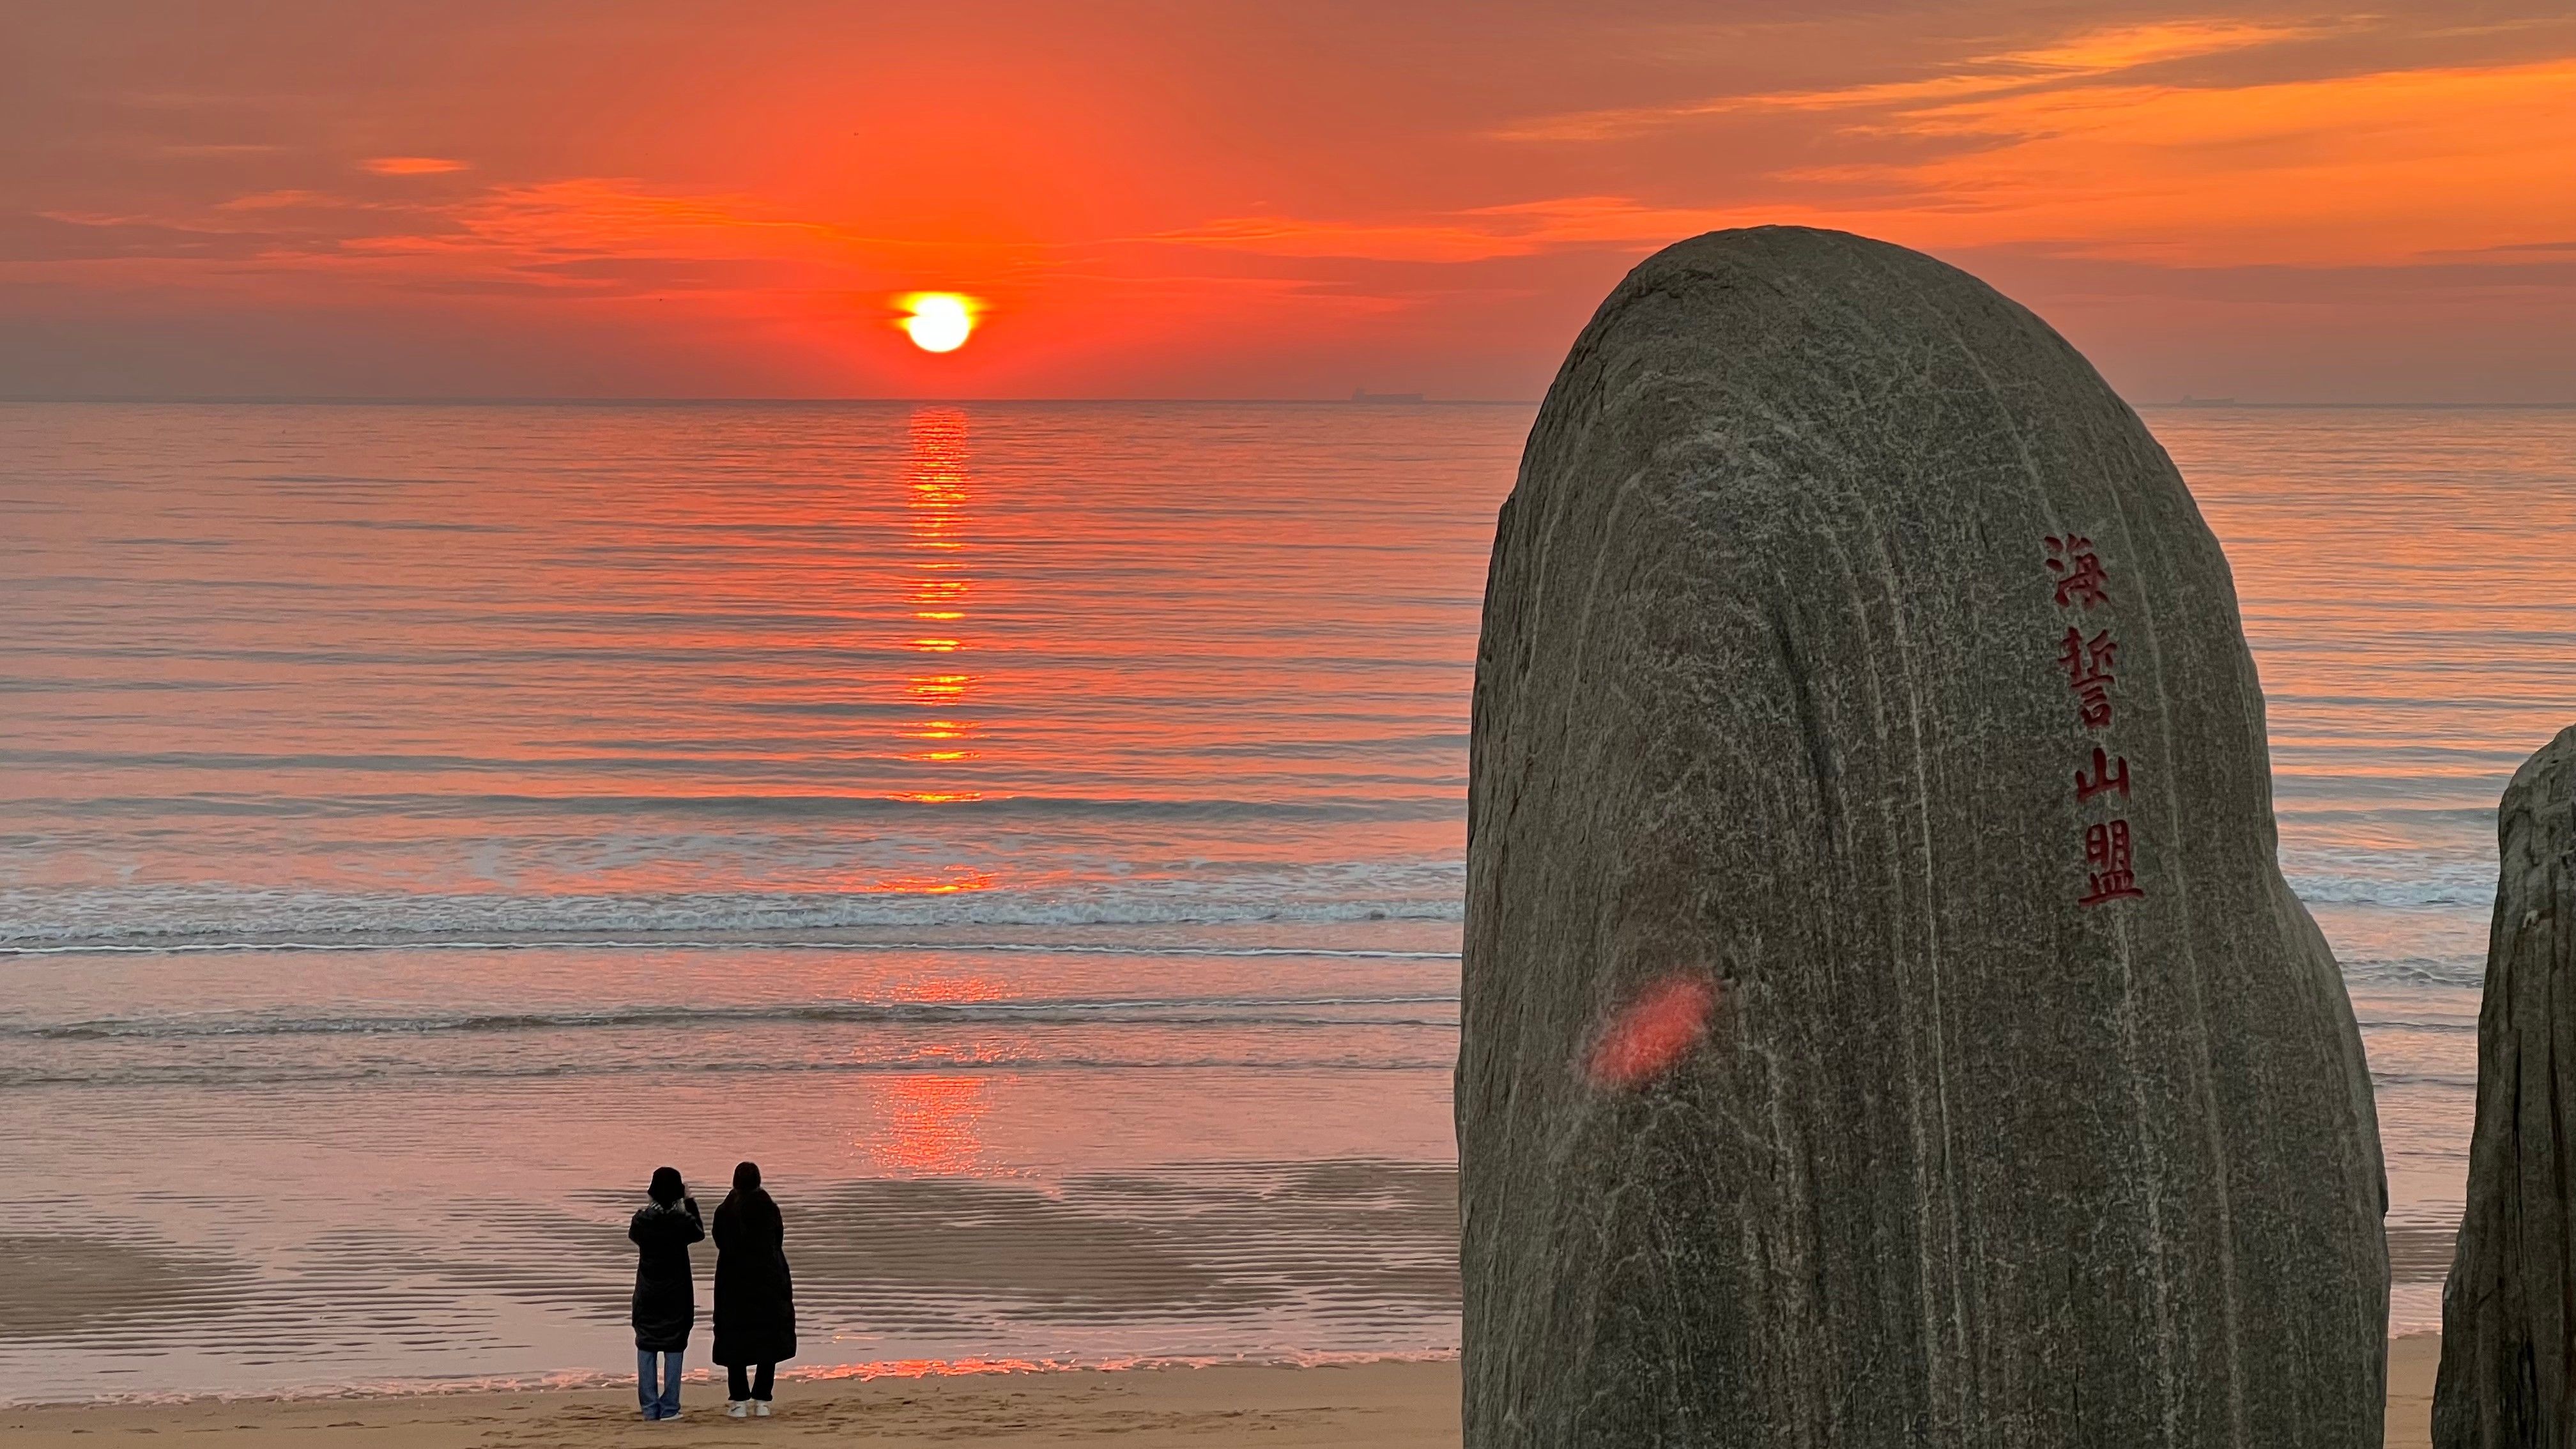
{"x": 937, "y": 499}
{"x": 928, "y": 1126}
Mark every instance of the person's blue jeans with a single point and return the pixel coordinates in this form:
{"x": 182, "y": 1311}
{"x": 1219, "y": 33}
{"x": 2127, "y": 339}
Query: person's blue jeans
{"x": 665, "y": 1402}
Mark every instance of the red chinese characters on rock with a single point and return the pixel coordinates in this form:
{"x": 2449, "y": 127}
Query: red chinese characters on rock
{"x": 2090, "y": 662}
{"x": 2108, "y": 774}
{"x": 2112, "y": 874}
{"x": 2087, "y": 663}
{"x": 2080, "y": 579}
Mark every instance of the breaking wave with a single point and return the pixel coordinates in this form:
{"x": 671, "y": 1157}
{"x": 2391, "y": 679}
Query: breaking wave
{"x": 1349, "y": 1010}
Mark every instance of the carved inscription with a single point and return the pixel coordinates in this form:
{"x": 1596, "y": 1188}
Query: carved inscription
{"x": 2090, "y": 657}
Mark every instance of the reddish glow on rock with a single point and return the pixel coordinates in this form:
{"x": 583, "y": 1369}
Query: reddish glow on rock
{"x": 1653, "y": 1032}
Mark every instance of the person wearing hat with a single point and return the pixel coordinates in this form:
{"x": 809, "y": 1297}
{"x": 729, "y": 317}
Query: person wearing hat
{"x": 666, "y": 1297}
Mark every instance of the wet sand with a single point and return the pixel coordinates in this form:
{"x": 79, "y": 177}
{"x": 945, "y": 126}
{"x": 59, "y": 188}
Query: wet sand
{"x": 1379, "y": 1405}
{"x": 2411, "y": 1361}
{"x": 1394, "y": 1405}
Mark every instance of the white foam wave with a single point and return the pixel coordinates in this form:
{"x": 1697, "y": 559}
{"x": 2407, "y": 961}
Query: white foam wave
{"x": 1331, "y": 1011}
{"x": 2435, "y": 887}
{"x": 31, "y": 920}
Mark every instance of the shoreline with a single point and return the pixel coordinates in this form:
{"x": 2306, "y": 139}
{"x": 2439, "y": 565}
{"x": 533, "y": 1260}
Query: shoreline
{"x": 1394, "y": 1403}
{"x": 574, "y": 1381}
{"x": 1386, "y": 1403}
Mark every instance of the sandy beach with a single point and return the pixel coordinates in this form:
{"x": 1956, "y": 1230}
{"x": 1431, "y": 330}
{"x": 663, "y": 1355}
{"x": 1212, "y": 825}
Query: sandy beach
{"x": 2411, "y": 1361}
{"x": 1381, "y": 1405}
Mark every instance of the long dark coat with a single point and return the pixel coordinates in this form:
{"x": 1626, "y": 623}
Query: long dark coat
{"x": 755, "y": 1302}
{"x": 666, "y": 1300}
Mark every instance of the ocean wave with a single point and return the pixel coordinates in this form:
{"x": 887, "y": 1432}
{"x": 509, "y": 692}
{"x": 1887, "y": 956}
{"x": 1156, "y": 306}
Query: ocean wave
{"x": 281, "y": 1074}
{"x": 1171, "y": 1011}
{"x": 213, "y": 918}
{"x": 2459, "y": 1083}
{"x": 1431, "y": 804}
{"x": 2454, "y": 820}
{"x": 199, "y": 1074}
{"x": 2435, "y": 886}
{"x": 2468, "y": 972}
{"x": 2467, "y": 1027}
{"x": 748, "y": 943}
{"x": 246, "y": 919}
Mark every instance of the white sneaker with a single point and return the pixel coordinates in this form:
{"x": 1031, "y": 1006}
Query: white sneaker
{"x": 760, "y": 1408}
{"x": 737, "y": 1408}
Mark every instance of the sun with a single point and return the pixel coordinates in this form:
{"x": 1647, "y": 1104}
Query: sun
{"x": 939, "y": 321}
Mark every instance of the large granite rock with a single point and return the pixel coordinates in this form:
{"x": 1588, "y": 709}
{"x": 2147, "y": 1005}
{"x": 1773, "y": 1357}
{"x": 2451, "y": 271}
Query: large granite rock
{"x": 2509, "y": 1309}
{"x": 1885, "y": 1020}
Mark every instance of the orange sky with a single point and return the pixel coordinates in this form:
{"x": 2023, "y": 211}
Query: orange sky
{"x": 1223, "y": 198}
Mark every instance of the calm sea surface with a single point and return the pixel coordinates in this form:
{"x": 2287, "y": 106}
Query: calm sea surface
{"x": 1034, "y": 833}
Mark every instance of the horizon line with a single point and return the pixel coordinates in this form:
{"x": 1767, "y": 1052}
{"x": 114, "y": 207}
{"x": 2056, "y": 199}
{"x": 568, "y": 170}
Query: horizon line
{"x": 541, "y": 400}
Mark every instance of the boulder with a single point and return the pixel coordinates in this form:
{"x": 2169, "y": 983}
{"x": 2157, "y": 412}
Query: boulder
{"x": 2509, "y": 1307}
{"x": 1885, "y": 1022}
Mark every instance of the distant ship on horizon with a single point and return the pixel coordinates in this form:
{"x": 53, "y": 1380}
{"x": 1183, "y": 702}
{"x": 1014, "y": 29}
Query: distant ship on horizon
{"x": 1363, "y": 395}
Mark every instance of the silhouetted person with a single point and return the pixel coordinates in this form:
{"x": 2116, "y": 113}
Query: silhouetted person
{"x": 755, "y": 1303}
{"x": 666, "y": 1300}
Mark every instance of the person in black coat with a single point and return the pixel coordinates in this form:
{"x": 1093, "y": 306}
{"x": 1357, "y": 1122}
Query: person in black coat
{"x": 755, "y": 1303}
{"x": 666, "y": 1299}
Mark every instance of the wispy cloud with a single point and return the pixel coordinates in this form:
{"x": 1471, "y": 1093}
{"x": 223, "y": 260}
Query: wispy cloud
{"x": 2350, "y": 170}
{"x": 2091, "y": 55}
{"x": 412, "y": 165}
{"x": 278, "y": 201}
{"x": 579, "y": 235}
{"x": 2339, "y": 170}
{"x": 1515, "y": 229}
{"x": 216, "y": 149}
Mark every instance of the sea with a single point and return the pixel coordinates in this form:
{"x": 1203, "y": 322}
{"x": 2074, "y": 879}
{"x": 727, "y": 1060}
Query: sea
{"x": 1032, "y": 832}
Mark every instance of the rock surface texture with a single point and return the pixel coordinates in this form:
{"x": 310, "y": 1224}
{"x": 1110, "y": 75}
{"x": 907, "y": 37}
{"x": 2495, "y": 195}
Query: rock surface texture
{"x": 2509, "y": 1309}
{"x": 1885, "y": 1021}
